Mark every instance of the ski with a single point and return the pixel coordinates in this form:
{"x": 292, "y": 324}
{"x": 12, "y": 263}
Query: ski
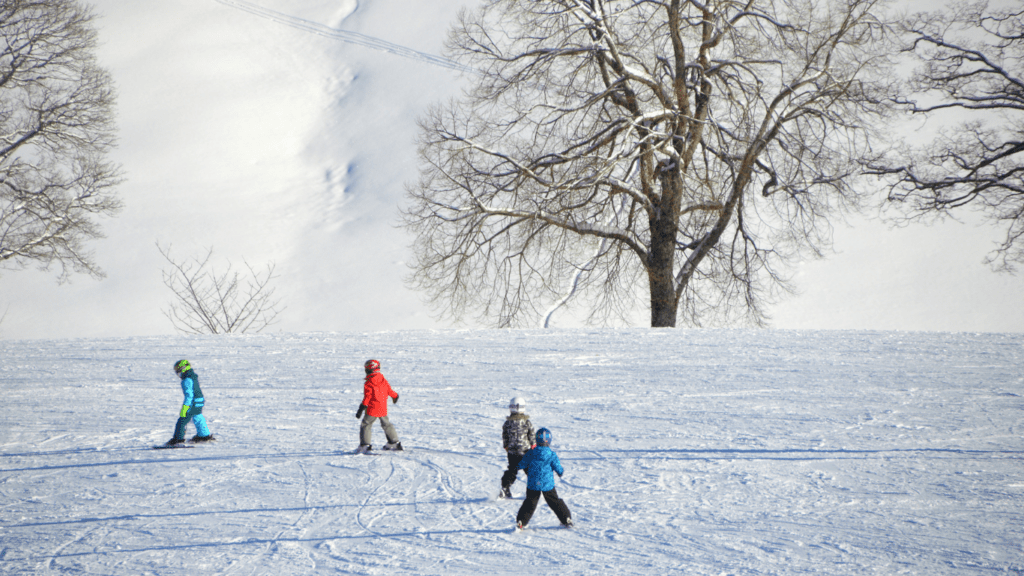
{"x": 517, "y": 529}
{"x": 172, "y": 446}
{"x": 380, "y": 452}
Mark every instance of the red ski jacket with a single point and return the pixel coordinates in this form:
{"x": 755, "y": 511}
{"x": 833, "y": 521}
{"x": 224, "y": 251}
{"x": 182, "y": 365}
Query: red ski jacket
{"x": 376, "y": 391}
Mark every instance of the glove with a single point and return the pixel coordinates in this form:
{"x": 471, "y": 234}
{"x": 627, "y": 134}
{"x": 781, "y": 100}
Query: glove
{"x": 359, "y": 413}
{"x": 395, "y": 399}
{"x": 184, "y": 410}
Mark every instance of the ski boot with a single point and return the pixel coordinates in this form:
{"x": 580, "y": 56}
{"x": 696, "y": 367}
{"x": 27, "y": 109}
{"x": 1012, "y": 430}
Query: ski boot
{"x": 174, "y": 441}
{"x": 506, "y": 492}
{"x": 364, "y": 449}
{"x": 397, "y": 446}
{"x": 198, "y": 438}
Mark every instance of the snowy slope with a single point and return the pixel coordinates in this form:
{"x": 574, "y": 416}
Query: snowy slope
{"x": 697, "y": 452}
{"x": 261, "y": 140}
{"x": 284, "y": 131}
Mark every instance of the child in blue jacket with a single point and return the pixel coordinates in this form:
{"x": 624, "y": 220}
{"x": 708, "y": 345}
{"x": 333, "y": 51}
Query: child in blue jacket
{"x": 539, "y": 464}
{"x": 191, "y": 407}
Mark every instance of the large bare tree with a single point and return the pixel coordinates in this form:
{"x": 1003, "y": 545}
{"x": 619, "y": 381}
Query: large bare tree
{"x": 607, "y": 146}
{"x": 970, "y": 77}
{"x": 56, "y": 127}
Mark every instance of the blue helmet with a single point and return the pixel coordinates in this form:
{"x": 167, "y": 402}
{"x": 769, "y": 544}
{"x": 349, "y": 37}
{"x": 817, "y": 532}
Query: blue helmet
{"x": 543, "y": 437}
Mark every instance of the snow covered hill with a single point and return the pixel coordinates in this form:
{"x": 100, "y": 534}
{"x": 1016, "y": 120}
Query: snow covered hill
{"x": 262, "y": 140}
{"x": 284, "y": 131}
{"x": 686, "y": 452}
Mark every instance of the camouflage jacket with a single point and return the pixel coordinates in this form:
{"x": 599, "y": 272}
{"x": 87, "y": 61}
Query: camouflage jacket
{"x": 517, "y": 434}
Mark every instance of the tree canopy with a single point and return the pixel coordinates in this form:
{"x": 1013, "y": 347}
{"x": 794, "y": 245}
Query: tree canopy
{"x": 56, "y": 128}
{"x": 970, "y": 77}
{"x": 690, "y": 149}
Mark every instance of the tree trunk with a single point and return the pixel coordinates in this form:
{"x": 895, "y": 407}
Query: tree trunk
{"x": 664, "y": 303}
{"x": 663, "y": 299}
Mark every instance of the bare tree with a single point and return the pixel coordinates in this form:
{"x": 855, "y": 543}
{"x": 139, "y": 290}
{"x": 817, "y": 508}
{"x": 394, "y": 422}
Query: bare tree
{"x": 56, "y": 127}
{"x": 971, "y": 64}
{"x": 210, "y": 302}
{"x": 689, "y": 147}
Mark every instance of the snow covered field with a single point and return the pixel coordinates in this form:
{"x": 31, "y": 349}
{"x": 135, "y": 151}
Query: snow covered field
{"x": 697, "y": 452}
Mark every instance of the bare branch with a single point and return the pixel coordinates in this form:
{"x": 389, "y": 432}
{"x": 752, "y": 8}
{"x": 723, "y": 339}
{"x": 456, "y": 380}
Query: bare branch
{"x": 207, "y": 302}
{"x": 971, "y": 59}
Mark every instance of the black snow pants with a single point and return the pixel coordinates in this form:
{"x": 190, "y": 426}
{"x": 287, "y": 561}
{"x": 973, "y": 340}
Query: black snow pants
{"x": 509, "y": 477}
{"x": 556, "y": 504}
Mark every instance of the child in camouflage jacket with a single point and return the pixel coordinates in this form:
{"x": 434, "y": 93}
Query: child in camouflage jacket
{"x": 516, "y": 438}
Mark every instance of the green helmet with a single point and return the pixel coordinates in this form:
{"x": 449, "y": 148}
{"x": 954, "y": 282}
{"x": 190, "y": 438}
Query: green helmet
{"x": 181, "y": 366}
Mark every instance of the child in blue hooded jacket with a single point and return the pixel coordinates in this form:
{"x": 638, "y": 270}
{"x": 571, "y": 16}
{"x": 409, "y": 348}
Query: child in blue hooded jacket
{"x": 539, "y": 463}
{"x": 191, "y": 407}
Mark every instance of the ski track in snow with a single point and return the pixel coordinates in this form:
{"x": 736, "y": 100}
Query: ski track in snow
{"x": 345, "y": 35}
{"x": 698, "y": 452}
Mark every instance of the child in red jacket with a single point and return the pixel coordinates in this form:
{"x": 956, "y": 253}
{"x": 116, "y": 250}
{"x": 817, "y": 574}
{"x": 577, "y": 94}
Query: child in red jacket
{"x": 376, "y": 391}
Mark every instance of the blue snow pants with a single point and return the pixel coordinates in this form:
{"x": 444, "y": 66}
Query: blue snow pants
{"x": 195, "y": 413}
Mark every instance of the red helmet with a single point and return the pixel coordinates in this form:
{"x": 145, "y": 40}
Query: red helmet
{"x": 372, "y": 366}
